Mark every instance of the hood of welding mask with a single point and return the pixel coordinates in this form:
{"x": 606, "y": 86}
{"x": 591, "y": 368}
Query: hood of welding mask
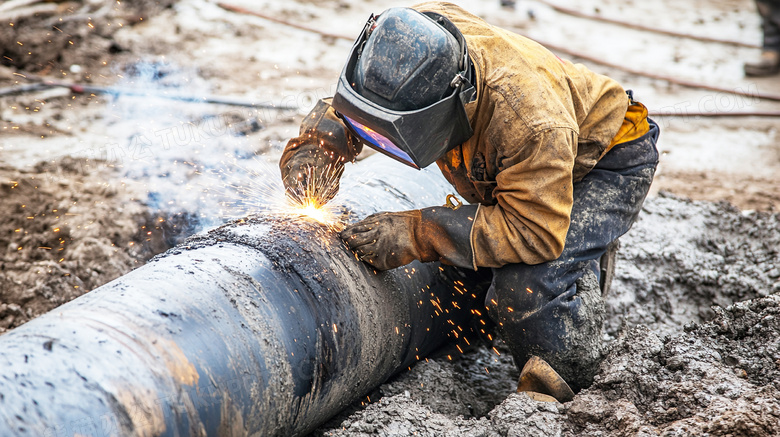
{"x": 405, "y": 84}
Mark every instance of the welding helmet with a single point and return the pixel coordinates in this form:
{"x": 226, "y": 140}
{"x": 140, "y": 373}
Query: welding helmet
{"x": 403, "y": 90}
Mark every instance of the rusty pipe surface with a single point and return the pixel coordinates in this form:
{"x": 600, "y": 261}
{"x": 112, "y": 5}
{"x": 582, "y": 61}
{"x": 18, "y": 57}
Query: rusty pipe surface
{"x": 263, "y": 326}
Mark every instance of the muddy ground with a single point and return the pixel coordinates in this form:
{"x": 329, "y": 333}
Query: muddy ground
{"x": 695, "y": 345}
{"x": 93, "y": 185}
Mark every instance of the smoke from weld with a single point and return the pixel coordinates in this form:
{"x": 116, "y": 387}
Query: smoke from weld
{"x": 192, "y": 160}
{"x": 194, "y": 164}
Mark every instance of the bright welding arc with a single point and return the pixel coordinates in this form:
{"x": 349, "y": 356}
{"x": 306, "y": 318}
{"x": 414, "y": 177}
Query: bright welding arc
{"x": 315, "y": 189}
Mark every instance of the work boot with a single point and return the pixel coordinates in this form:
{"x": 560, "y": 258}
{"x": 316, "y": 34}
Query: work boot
{"x": 767, "y": 65}
{"x": 542, "y": 383}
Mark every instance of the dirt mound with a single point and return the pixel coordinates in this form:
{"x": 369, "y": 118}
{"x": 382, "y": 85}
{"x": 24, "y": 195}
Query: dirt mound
{"x": 682, "y": 257}
{"x": 76, "y": 32}
{"x": 678, "y": 365}
{"x": 65, "y": 231}
{"x": 718, "y": 378}
{"x": 464, "y": 397}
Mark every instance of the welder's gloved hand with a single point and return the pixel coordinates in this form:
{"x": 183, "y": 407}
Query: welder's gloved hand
{"x": 392, "y": 239}
{"x": 311, "y": 173}
{"x": 312, "y": 163}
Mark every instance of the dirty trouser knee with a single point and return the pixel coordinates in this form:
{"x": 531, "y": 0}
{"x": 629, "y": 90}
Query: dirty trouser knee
{"x": 555, "y": 310}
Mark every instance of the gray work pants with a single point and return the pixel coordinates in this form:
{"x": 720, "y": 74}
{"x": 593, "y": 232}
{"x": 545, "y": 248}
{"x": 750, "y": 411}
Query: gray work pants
{"x": 555, "y": 309}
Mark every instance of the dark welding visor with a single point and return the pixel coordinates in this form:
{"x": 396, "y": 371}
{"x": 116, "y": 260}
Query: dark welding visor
{"x": 417, "y": 137}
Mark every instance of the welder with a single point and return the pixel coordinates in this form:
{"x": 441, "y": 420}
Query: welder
{"x": 553, "y": 160}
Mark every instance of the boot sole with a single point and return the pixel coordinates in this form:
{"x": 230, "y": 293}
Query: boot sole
{"x": 760, "y": 71}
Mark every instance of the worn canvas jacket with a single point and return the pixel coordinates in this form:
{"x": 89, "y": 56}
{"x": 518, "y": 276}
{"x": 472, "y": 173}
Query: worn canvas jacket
{"x": 540, "y": 124}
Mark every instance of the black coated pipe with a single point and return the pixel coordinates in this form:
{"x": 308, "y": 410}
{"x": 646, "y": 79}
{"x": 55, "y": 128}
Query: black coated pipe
{"x": 264, "y": 326}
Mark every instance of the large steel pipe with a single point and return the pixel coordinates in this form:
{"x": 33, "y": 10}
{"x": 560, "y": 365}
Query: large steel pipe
{"x": 265, "y": 326}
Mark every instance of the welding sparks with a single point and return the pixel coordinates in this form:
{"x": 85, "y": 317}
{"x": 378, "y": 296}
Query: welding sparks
{"x": 310, "y": 197}
{"x": 244, "y": 189}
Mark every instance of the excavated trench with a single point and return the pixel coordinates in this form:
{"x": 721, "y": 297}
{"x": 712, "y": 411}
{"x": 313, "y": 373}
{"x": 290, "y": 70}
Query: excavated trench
{"x": 691, "y": 319}
{"x": 677, "y": 366}
{"x": 695, "y": 346}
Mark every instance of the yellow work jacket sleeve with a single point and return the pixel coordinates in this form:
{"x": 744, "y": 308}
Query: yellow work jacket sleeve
{"x": 323, "y": 135}
{"x": 534, "y": 195}
{"x": 540, "y": 124}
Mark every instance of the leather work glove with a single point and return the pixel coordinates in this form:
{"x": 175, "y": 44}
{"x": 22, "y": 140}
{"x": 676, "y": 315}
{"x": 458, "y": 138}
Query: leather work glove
{"x": 392, "y": 239}
{"x": 312, "y": 173}
{"x": 312, "y": 163}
